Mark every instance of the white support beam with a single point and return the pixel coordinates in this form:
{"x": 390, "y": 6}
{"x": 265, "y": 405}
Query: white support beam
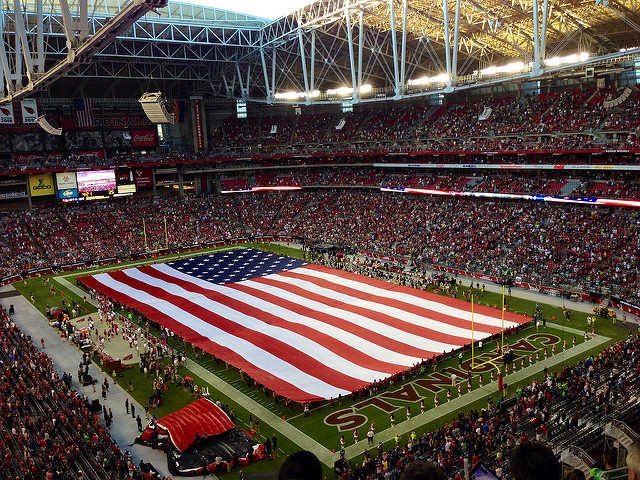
{"x": 273, "y": 70}
{"x": 266, "y": 76}
{"x": 403, "y": 54}
{"x": 447, "y": 41}
{"x": 312, "y": 75}
{"x": 68, "y": 23}
{"x": 543, "y": 37}
{"x": 352, "y": 63}
{"x": 39, "y": 60}
{"x": 247, "y": 90}
{"x": 536, "y": 36}
{"x": 394, "y": 41}
{"x": 82, "y": 22}
{"x": 21, "y": 35}
{"x": 4, "y": 63}
{"x": 456, "y": 36}
{"x": 227, "y": 87}
{"x": 303, "y": 59}
{"x": 360, "y": 48}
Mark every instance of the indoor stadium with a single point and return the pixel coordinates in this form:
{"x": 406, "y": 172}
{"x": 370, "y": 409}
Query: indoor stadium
{"x": 338, "y": 239}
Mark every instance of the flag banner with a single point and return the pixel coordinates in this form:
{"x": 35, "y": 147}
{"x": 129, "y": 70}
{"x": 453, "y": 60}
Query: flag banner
{"x": 84, "y": 112}
{"x": 47, "y": 127}
{"x": 29, "y": 110}
{"x": 178, "y": 111}
{"x": 305, "y": 331}
{"x": 6, "y": 114}
{"x": 198, "y": 126}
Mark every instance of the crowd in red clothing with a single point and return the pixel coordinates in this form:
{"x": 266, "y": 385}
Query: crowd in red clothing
{"x": 47, "y": 431}
{"x": 563, "y": 120}
{"x": 548, "y": 245}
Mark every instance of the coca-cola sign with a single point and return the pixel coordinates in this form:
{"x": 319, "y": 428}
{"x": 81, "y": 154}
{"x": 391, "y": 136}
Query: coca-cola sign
{"x": 143, "y": 138}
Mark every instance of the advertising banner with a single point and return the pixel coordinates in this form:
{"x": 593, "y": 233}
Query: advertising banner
{"x": 66, "y": 180}
{"x": 143, "y": 177}
{"x": 68, "y": 193}
{"x": 41, "y": 184}
{"x": 143, "y": 138}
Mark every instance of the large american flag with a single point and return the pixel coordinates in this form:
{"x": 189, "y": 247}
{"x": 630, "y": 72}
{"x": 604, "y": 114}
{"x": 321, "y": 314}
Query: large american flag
{"x": 305, "y": 331}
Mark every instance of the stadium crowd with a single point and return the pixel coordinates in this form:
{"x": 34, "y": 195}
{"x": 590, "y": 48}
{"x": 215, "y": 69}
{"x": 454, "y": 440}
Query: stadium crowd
{"x": 573, "y": 247}
{"x": 47, "y": 430}
{"x": 576, "y": 120}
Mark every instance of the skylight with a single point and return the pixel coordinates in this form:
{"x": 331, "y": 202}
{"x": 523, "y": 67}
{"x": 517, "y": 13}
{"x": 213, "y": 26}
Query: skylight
{"x": 259, "y": 8}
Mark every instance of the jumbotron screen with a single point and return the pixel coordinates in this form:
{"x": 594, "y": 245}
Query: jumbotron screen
{"x": 96, "y": 180}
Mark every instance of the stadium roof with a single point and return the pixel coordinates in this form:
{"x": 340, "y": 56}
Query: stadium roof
{"x": 379, "y": 48}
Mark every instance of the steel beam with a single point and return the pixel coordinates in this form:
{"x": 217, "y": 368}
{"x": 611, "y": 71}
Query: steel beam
{"x": 403, "y": 55}
{"x": 456, "y": 36}
{"x": 352, "y": 63}
{"x": 303, "y": 59}
{"x": 536, "y": 36}
{"x": 394, "y": 41}
{"x": 447, "y": 41}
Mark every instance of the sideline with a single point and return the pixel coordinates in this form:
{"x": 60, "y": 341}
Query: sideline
{"x": 447, "y": 408}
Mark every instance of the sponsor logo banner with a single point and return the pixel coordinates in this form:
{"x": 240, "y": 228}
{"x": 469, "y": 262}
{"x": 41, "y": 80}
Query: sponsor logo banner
{"x": 28, "y": 157}
{"x": 68, "y": 193}
{"x": 41, "y": 184}
{"x": 143, "y": 138}
{"x": 143, "y": 177}
{"x": 66, "y": 180}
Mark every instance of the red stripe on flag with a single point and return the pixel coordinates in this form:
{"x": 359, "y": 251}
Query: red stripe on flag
{"x": 373, "y": 336}
{"x": 398, "y": 304}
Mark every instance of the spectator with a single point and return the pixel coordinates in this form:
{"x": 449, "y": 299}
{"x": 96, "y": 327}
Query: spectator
{"x": 633, "y": 461}
{"x": 534, "y": 461}
{"x": 302, "y": 465}
{"x": 420, "y": 470}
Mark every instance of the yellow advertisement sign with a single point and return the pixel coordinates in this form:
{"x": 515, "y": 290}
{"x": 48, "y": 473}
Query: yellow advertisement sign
{"x": 41, "y": 184}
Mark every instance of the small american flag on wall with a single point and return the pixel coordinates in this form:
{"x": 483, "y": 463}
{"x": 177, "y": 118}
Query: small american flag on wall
{"x": 84, "y": 112}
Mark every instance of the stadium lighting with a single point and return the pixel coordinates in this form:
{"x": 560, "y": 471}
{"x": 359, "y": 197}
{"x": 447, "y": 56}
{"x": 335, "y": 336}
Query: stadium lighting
{"x": 442, "y": 78}
{"x": 296, "y": 95}
{"x": 508, "y": 68}
{"x": 574, "y": 58}
{"x": 348, "y": 90}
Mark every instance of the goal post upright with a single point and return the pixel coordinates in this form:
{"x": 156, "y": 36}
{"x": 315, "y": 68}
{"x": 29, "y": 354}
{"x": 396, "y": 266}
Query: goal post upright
{"x": 492, "y": 362}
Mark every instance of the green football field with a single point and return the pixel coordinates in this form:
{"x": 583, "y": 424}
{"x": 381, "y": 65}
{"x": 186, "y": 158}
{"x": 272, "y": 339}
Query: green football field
{"x": 327, "y": 422}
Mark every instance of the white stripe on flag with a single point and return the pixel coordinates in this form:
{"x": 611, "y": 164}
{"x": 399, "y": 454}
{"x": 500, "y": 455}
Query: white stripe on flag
{"x": 411, "y": 299}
